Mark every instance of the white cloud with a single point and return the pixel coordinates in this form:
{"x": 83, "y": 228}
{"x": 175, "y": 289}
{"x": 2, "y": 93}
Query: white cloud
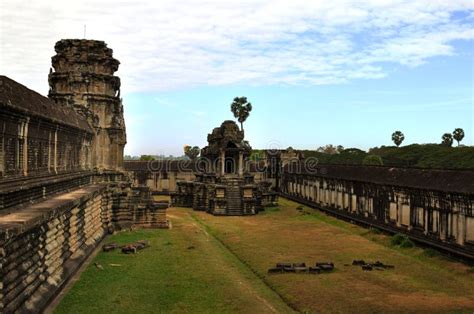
{"x": 166, "y": 44}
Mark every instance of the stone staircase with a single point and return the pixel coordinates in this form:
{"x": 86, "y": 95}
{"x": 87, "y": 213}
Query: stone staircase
{"x": 234, "y": 198}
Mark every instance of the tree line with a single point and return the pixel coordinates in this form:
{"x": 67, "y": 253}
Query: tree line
{"x": 447, "y": 139}
{"x": 441, "y": 155}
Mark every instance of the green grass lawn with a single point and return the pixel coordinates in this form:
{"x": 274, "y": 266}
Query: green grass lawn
{"x": 184, "y": 271}
{"x": 219, "y": 264}
{"x": 421, "y": 282}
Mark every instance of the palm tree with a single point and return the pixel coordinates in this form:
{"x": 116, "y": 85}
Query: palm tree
{"x": 458, "y": 135}
{"x": 447, "y": 139}
{"x": 241, "y": 109}
{"x": 192, "y": 152}
{"x": 398, "y": 137}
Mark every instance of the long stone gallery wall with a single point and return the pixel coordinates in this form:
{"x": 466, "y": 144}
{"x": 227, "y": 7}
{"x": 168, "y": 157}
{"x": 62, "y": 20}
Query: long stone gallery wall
{"x": 162, "y": 176}
{"x": 62, "y": 184}
{"x": 434, "y": 207}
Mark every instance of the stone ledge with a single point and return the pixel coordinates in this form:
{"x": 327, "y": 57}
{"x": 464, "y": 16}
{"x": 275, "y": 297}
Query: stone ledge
{"x": 21, "y": 220}
{"x": 24, "y": 183}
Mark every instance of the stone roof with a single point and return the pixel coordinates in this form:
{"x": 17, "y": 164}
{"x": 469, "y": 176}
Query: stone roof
{"x": 227, "y": 136}
{"x": 459, "y": 181}
{"x": 29, "y": 102}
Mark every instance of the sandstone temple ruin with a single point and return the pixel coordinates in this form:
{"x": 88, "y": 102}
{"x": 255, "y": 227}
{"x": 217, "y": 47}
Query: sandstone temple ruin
{"x": 62, "y": 182}
{"x": 224, "y": 185}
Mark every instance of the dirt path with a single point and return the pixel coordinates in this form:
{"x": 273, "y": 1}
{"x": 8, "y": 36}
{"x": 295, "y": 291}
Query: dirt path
{"x": 233, "y": 267}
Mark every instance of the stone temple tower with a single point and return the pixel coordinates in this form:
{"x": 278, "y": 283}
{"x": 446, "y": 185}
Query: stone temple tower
{"x": 82, "y": 77}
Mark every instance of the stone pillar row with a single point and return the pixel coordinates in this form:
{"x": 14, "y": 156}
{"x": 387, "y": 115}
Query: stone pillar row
{"x": 341, "y": 197}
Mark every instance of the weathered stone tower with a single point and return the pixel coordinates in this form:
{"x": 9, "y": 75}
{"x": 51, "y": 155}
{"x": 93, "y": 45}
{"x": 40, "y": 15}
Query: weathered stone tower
{"x": 82, "y": 77}
{"x": 226, "y": 187}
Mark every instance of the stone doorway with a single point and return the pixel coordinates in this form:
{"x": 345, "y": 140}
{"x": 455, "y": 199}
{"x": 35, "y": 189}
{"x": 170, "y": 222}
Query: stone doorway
{"x": 230, "y": 163}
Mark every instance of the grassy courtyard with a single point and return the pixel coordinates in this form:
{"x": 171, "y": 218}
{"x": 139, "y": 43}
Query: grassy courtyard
{"x": 219, "y": 264}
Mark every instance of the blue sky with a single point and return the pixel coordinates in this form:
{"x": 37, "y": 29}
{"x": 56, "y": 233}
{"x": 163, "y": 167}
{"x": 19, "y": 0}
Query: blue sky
{"x": 346, "y": 72}
{"x": 424, "y": 102}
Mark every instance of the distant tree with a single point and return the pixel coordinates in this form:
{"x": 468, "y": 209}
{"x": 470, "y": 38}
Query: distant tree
{"x": 192, "y": 152}
{"x": 353, "y": 151}
{"x": 458, "y": 135}
{"x": 130, "y": 157}
{"x": 398, "y": 137}
{"x": 447, "y": 139}
{"x": 241, "y": 109}
{"x": 339, "y": 149}
{"x": 147, "y": 158}
{"x": 372, "y": 160}
{"x": 329, "y": 149}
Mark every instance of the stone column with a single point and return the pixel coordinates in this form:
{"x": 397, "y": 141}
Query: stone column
{"x": 241, "y": 164}
{"x": 443, "y": 226}
{"x": 461, "y": 228}
{"x": 399, "y": 210}
{"x": 25, "y": 146}
{"x": 49, "y": 151}
{"x": 426, "y": 213}
{"x": 55, "y": 164}
{"x": 222, "y": 163}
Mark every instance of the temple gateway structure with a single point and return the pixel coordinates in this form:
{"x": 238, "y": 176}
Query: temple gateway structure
{"x": 223, "y": 184}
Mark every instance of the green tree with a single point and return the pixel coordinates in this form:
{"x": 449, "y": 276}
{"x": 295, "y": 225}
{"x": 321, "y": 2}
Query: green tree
{"x": 192, "y": 152}
{"x": 147, "y": 157}
{"x": 458, "y": 135}
{"x": 241, "y": 109}
{"x": 398, "y": 137}
{"x": 372, "y": 160}
{"x": 447, "y": 139}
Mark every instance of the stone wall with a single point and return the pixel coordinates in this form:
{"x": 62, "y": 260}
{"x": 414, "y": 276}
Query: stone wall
{"x": 33, "y": 143}
{"x": 43, "y": 244}
{"x": 162, "y": 176}
{"x": 427, "y": 211}
{"x": 50, "y": 226}
{"x": 161, "y": 182}
{"x": 148, "y": 214}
